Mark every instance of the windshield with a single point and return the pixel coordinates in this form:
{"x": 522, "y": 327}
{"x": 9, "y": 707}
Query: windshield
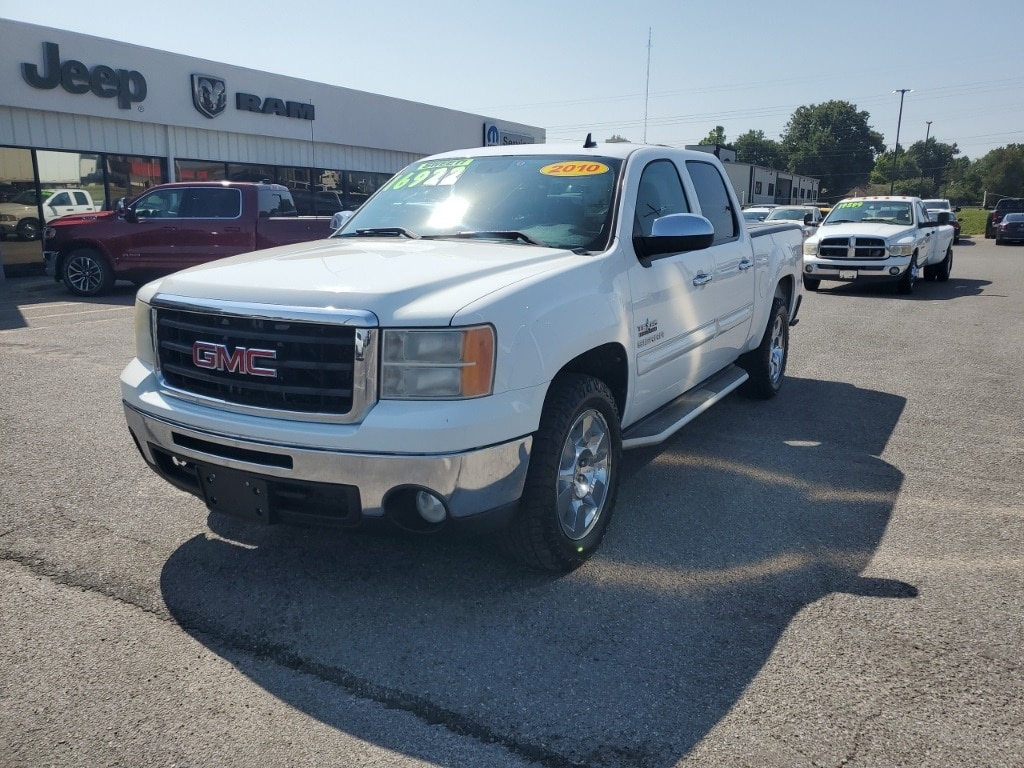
{"x": 28, "y": 197}
{"x": 790, "y": 215}
{"x": 755, "y": 215}
{"x": 552, "y": 200}
{"x": 872, "y": 211}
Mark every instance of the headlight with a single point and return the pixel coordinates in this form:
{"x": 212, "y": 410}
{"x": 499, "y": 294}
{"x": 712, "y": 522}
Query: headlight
{"x": 437, "y": 364}
{"x": 810, "y": 248}
{"x": 901, "y": 250}
{"x": 144, "y": 333}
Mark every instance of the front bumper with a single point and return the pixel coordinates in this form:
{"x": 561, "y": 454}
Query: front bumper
{"x": 891, "y": 268}
{"x": 480, "y": 488}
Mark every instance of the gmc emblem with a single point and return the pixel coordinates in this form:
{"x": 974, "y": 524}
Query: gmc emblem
{"x": 217, "y": 357}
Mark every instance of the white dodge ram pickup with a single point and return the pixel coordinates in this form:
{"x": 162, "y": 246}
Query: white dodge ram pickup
{"x": 888, "y": 238}
{"x": 473, "y": 348}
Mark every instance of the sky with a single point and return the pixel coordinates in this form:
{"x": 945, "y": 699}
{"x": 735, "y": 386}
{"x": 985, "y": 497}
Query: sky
{"x": 658, "y": 71}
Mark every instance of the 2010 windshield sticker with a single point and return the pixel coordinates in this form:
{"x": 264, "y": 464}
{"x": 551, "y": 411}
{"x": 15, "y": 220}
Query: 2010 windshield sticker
{"x": 850, "y": 205}
{"x": 435, "y": 173}
{"x": 575, "y": 168}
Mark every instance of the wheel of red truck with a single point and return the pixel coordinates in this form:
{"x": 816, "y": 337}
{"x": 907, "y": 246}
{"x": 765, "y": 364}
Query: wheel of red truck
{"x": 573, "y": 478}
{"x": 905, "y": 284}
{"x": 86, "y": 273}
{"x": 766, "y": 365}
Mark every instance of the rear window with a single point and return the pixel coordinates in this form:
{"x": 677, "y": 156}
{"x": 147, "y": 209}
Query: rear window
{"x": 1010, "y": 204}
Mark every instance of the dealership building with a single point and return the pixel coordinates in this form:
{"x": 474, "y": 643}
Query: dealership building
{"x": 82, "y": 112}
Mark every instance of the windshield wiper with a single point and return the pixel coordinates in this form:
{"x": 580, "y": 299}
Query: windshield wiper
{"x": 839, "y": 221}
{"x": 387, "y": 232}
{"x": 495, "y": 234}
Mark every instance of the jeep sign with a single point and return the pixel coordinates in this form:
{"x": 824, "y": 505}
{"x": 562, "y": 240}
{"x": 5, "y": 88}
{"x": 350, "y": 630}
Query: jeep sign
{"x": 73, "y": 76}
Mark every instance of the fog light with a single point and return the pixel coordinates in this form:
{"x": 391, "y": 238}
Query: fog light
{"x": 808, "y": 268}
{"x": 894, "y": 270}
{"x": 430, "y": 507}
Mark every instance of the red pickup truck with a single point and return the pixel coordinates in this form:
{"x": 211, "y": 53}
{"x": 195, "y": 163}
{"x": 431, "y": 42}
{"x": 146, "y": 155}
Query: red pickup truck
{"x": 170, "y": 227}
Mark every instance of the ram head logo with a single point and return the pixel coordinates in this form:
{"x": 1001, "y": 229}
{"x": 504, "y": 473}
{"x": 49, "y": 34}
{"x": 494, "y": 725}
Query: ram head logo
{"x": 209, "y": 94}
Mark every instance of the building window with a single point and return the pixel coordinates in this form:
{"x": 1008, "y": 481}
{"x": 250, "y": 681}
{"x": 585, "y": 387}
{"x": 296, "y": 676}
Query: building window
{"x": 757, "y": 187}
{"x": 771, "y": 190}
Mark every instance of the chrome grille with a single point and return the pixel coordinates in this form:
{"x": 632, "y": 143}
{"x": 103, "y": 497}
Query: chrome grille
{"x": 312, "y": 363}
{"x": 852, "y": 248}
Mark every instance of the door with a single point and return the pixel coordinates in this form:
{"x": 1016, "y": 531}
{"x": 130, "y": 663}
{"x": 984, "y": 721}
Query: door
{"x": 673, "y": 313}
{"x": 733, "y": 283}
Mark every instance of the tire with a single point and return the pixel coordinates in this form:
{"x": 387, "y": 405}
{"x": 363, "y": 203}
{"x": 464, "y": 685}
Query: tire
{"x": 766, "y": 365}
{"x": 572, "y": 480}
{"x": 905, "y": 285}
{"x": 28, "y": 229}
{"x": 86, "y": 273}
{"x": 811, "y": 284}
{"x": 944, "y": 267}
{"x": 998, "y": 241}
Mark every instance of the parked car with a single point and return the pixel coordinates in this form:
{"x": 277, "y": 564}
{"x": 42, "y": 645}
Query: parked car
{"x": 20, "y": 215}
{"x": 878, "y": 238}
{"x": 756, "y": 213}
{"x": 1003, "y": 207}
{"x": 807, "y": 216}
{"x": 954, "y": 222}
{"x": 940, "y": 204}
{"x": 1010, "y": 229}
{"x": 170, "y": 227}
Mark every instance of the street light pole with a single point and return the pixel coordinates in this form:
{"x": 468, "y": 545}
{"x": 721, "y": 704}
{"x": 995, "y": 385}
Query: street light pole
{"x": 896, "y": 150}
{"x": 927, "y": 133}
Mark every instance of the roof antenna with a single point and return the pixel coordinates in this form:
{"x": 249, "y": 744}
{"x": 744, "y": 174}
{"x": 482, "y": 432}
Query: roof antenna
{"x": 589, "y": 143}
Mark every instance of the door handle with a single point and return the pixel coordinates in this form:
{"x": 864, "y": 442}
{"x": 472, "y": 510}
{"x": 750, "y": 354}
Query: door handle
{"x": 702, "y": 279}
{"x": 746, "y": 264}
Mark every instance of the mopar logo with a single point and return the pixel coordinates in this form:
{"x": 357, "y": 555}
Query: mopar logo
{"x": 217, "y": 357}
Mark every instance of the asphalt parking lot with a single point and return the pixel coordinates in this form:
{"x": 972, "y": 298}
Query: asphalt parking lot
{"x": 832, "y": 578}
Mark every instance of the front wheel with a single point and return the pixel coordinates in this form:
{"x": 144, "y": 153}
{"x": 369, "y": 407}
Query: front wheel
{"x": 811, "y": 284}
{"x": 905, "y": 285}
{"x": 86, "y": 273}
{"x": 573, "y": 477}
{"x": 766, "y": 365}
{"x": 28, "y": 229}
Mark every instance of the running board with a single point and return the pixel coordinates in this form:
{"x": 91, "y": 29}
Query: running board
{"x": 672, "y": 417}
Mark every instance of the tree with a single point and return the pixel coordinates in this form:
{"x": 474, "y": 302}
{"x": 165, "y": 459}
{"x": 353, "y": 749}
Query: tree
{"x": 752, "y": 147}
{"x": 616, "y": 139}
{"x": 717, "y": 136}
{"x": 1002, "y": 171}
{"x": 902, "y": 167}
{"x": 833, "y": 142}
{"x": 934, "y": 159}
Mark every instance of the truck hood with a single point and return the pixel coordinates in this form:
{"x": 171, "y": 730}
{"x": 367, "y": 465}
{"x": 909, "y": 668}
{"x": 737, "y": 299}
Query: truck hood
{"x": 401, "y": 281}
{"x": 861, "y": 229}
{"x": 16, "y": 208}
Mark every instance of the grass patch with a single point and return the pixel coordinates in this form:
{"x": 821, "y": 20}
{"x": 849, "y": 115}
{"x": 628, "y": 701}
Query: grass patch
{"x": 972, "y": 221}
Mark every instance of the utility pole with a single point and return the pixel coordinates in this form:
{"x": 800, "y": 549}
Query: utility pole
{"x": 927, "y": 133}
{"x": 896, "y": 150}
{"x": 647, "y": 93}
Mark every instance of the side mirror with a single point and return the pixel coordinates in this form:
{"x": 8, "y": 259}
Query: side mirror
{"x": 130, "y": 215}
{"x": 119, "y": 205}
{"x": 943, "y": 218}
{"x": 808, "y": 218}
{"x": 675, "y": 233}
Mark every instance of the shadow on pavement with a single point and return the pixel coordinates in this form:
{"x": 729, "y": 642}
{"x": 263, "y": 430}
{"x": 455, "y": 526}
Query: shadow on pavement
{"x": 721, "y": 537}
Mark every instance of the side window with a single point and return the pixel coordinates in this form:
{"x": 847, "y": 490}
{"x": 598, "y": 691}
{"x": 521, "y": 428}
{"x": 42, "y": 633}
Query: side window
{"x": 660, "y": 193}
{"x": 161, "y": 204}
{"x": 214, "y": 203}
{"x": 715, "y": 203}
{"x": 81, "y": 199}
{"x": 61, "y": 198}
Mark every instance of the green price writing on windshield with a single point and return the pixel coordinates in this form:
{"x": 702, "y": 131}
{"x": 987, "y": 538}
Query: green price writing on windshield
{"x": 850, "y": 205}
{"x": 437, "y": 173}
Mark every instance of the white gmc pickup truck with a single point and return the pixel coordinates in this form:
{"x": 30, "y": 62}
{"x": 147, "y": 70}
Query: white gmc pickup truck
{"x": 472, "y": 350}
{"x": 884, "y": 238}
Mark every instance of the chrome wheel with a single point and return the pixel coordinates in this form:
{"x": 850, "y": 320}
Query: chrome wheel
{"x": 86, "y": 274}
{"x": 777, "y": 351}
{"x": 583, "y": 475}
